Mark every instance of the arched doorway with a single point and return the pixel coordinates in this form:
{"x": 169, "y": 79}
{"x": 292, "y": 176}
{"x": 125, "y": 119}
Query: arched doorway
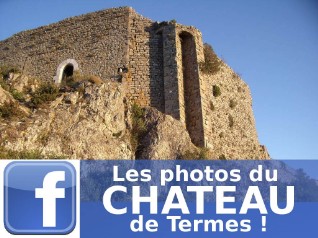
{"x": 65, "y": 69}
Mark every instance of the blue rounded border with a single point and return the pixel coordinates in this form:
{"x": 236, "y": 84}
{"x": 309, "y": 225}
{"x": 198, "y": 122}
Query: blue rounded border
{"x": 64, "y": 164}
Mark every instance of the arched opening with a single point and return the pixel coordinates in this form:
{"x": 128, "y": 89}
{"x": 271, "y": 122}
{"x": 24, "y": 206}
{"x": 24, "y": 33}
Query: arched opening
{"x": 65, "y": 70}
{"x": 68, "y": 72}
{"x": 191, "y": 86}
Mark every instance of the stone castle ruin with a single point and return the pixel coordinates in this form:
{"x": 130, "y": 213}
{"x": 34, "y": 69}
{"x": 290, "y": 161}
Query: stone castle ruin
{"x": 159, "y": 65}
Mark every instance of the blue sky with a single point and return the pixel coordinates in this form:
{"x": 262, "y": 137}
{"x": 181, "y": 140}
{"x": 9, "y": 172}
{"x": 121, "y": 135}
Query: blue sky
{"x": 272, "y": 44}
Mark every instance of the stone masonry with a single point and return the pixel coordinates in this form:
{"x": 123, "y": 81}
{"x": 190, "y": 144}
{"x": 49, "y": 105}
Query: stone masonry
{"x": 163, "y": 63}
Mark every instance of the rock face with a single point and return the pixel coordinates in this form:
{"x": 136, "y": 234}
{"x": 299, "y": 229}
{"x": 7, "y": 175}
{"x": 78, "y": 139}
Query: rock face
{"x": 90, "y": 125}
{"x": 93, "y": 124}
{"x": 5, "y": 96}
{"x": 166, "y": 137}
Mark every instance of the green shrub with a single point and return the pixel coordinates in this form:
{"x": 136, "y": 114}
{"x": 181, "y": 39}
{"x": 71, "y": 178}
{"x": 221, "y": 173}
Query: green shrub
{"x": 5, "y": 70}
{"x": 4, "y": 84}
{"x": 11, "y": 110}
{"x": 47, "y": 92}
{"x": 139, "y": 127}
{"x": 17, "y": 95}
{"x": 216, "y": 91}
{"x": 212, "y": 63}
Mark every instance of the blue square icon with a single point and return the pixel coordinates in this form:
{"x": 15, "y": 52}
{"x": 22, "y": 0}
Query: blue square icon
{"x": 39, "y": 198}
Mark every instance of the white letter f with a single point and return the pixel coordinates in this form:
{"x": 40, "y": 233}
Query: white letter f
{"x": 49, "y": 193}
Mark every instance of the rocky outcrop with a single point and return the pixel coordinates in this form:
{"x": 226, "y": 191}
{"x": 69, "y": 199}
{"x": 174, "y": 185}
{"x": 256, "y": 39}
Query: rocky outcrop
{"x": 87, "y": 125}
{"x": 95, "y": 121}
{"x": 167, "y": 138}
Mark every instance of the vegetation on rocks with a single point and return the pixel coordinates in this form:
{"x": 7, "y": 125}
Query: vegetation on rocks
{"x": 17, "y": 95}
{"x": 212, "y": 63}
{"x": 201, "y": 154}
{"x": 74, "y": 80}
{"x": 11, "y": 110}
{"x": 139, "y": 128}
{"x": 5, "y": 71}
{"x": 25, "y": 155}
{"x": 11, "y": 154}
{"x": 216, "y": 91}
{"x": 47, "y": 92}
{"x": 4, "y": 84}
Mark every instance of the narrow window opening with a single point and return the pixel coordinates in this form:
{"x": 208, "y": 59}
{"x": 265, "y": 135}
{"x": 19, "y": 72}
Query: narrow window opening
{"x": 191, "y": 84}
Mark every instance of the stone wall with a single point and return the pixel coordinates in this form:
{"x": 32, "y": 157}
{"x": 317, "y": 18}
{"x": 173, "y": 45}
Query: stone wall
{"x": 230, "y": 130}
{"x": 182, "y": 52}
{"x": 146, "y": 62}
{"x": 98, "y": 42}
{"x": 139, "y": 59}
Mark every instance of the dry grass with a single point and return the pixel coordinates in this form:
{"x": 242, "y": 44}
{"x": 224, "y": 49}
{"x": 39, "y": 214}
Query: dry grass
{"x": 47, "y": 92}
{"x": 201, "y": 154}
{"x": 10, "y": 110}
{"x": 212, "y": 63}
{"x": 77, "y": 77}
{"x": 139, "y": 127}
{"x": 95, "y": 79}
{"x": 5, "y": 70}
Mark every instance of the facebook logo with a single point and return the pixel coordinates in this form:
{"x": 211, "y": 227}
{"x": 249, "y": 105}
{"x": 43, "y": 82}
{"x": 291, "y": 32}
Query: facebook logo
{"x": 39, "y": 198}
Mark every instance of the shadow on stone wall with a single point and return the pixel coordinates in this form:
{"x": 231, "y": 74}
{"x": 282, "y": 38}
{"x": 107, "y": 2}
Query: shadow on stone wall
{"x": 157, "y": 97}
